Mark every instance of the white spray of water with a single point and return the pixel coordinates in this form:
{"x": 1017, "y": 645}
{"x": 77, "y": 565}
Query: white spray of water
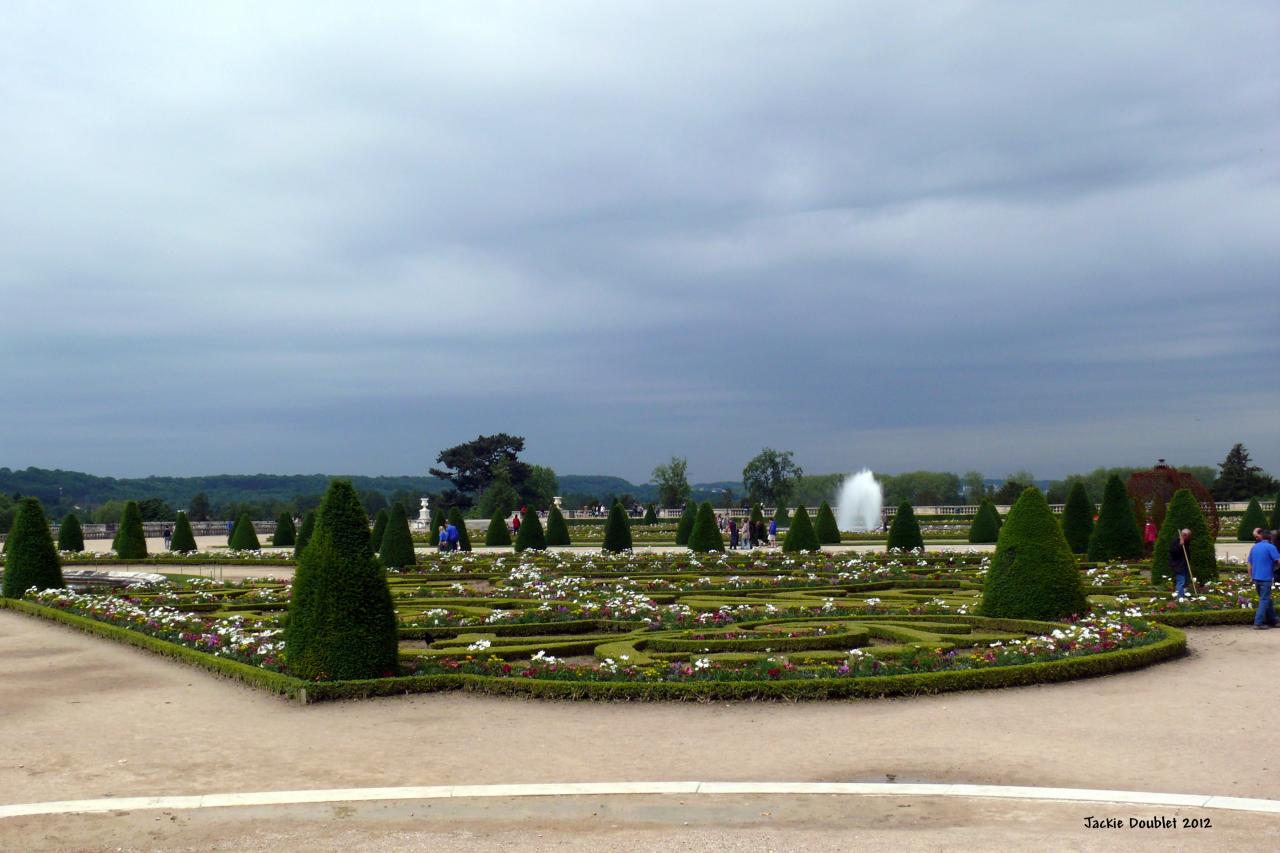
{"x": 861, "y": 499}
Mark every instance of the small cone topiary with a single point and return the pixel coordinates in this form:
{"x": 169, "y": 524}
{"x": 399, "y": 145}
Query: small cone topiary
{"x": 456, "y": 519}
{"x": 304, "y": 533}
{"x": 557, "y": 530}
{"x": 825, "y": 526}
{"x": 1184, "y": 513}
{"x": 757, "y": 513}
{"x": 705, "y": 535}
{"x": 617, "y": 530}
{"x": 342, "y": 622}
{"x": 1077, "y": 519}
{"x": 71, "y": 534}
{"x": 437, "y": 521}
{"x": 1033, "y": 574}
{"x": 985, "y": 529}
{"x": 781, "y": 517}
{"x": 30, "y": 560}
{"x": 396, "y": 548}
{"x": 1275, "y": 514}
{"x": 497, "y": 535}
{"x": 1253, "y": 517}
{"x": 800, "y": 535}
{"x": 530, "y": 536}
{"x": 1116, "y": 535}
{"x": 685, "y": 527}
{"x": 183, "y": 540}
{"x": 904, "y": 532}
{"x": 379, "y": 528}
{"x": 131, "y": 542}
{"x": 243, "y": 536}
{"x": 286, "y": 534}
{"x": 650, "y": 514}
{"x": 1158, "y": 510}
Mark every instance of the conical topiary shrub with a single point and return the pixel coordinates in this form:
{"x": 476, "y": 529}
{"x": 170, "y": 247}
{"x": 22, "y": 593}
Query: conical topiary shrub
{"x": 781, "y": 517}
{"x": 498, "y": 535}
{"x": 1158, "y": 510}
{"x": 1116, "y": 535}
{"x": 1033, "y": 573}
{"x": 825, "y": 525}
{"x": 757, "y": 513}
{"x": 456, "y": 519}
{"x": 379, "y": 528}
{"x": 30, "y": 560}
{"x": 530, "y": 536}
{"x": 1184, "y": 513}
{"x": 1253, "y": 517}
{"x": 243, "y": 536}
{"x": 705, "y": 535}
{"x": 685, "y": 527}
{"x": 1077, "y": 519}
{"x": 396, "y": 547}
{"x": 1275, "y": 514}
{"x": 286, "y": 535}
{"x": 800, "y": 535}
{"x": 183, "y": 540}
{"x": 985, "y": 529}
{"x": 650, "y": 514}
{"x": 437, "y": 521}
{"x": 557, "y": 530}
{"x": 904, "y": 532}
{"x": 342, "y": 622}
{"x": 71, "y": 534}
{"x": 617, "y": 530}
{"x": 131, "y": 542}
{"x": 304, "y": 533}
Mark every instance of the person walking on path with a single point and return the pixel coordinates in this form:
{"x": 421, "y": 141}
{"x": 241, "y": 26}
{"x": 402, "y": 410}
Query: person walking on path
{"x": 444, "y": 539}
{"x": 1149, "y": 536}
{"x": 773, "y": 531}
{"x": 168, "y": 536}
{"x": 1262, "y": 568}
{"x": 733, "y": 535}
{"x": 451, "y": 537}
{"x": 1178, "y": 563}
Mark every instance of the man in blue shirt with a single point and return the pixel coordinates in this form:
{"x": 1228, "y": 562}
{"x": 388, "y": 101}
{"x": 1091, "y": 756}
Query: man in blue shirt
{"x": 1262, "y": 567}
{"x": 452, "y": 535}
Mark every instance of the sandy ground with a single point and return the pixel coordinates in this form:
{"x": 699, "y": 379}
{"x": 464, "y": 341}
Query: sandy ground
{"x": 86, "y": 718}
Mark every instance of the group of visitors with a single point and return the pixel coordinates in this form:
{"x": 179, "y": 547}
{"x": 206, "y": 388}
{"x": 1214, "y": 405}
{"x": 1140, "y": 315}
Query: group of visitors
{"x": 751, "y": 534}
{"x": 449, "y": 537}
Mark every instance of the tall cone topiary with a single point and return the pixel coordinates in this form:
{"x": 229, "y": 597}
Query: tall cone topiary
{"x": 1275, "y": 514}
{"x": 530, "y": 536}
{"x": 243, "y": 536}
{"x": 904, "y": 532}
{"x": 705, "y": 535}
{"x": 557, "y": 530}
{"x": 342, "y": 622}
{"x": 650, "y": 514}
{"x": 71, "y": 534}
{"x": 1077, "y": 519}
{"x": 456, "y": 519}
{"x": 685, "y": 527}
{"x": 379, "y": 528}
{"x": 497, "y": 535}
{"x": 131, "y": 542}
{"x": 30, "y": 560}
{"x": 1116, "y": 535}
{"x": 800, "y": 535}
{"x": 757, "y": 513}
{"x": 396, "y": 547}
{"x": 1253, "y": 517}
{"x": 183, "y": 540}
{"x": 304, "y": 533}
{"x": 617, "y": 530}
{"x": 437, "y": 521}
{"x": 985, "y": 529}
{"x": 825, "y": 525}
{"x": 1184, "y": 513}
{"x": 286, "y": 534}
{"x": 1033, "y": 573}
{"x": 1158, "y": 510}
{"x": 781, "y": 517}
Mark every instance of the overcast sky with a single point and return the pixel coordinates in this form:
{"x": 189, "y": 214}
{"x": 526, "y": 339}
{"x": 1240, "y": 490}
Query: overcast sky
{"x": 338, "y": 237}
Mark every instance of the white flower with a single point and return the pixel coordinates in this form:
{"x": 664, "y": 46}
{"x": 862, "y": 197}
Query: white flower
{"x": 479, "y": 646}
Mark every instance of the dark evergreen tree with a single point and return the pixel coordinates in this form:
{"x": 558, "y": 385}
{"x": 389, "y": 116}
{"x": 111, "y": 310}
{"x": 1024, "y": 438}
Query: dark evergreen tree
{"x": 781, "y": 517}
{"x": 1158, "y": 510}
{"x": 1139, "y": 512}
{"x": 131, "y": 541}
{"x": 1185, "y": 514}
{"x": 985, "y": 529}
{"x": 1275, "y": 514}
{"x": 904, "y": 532}
{"x": 1077, "y": 518}
{"x": 183, "y": 540}
{"x": 437, "y": 521}
{"x": 651, "y": 515}
{"x": 685, "y": 527}
{"x": 826, "y": 528}
{"x": 396, "y": 545}
{"x": 243, "y": 536}
{"x": 557, "y": 530}
{"x": 1116, "y": 535}
{"x": 342, "y": 622}
{"x": 1033, "y": 574}
{"x": 705, "y": 535}
{"x": 304, "y": 533}
{"x": 1238, "y": 478}
{"x": 800, "y": 535}
{"x": 498, "y": 535}
{"x": 1253, "y": 517}
{"x": 617, "y": 530}
{"x": 456, "y": 519}
{"x": 286, "y": 536}
{"x": 71, "y": 534}
{"x": 530, "y": 536}
{"x": 30, "y": 559}
{"x": 379, "y": 528}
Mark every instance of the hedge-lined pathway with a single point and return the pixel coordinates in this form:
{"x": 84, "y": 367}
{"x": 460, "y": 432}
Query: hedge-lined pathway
{"x": 84, "y": 718}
